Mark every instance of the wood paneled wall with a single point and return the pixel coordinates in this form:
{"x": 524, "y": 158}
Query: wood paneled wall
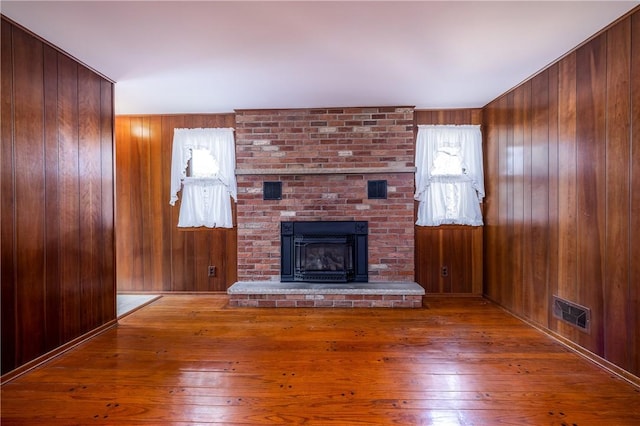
{"x": 58, "y": 280}
{"x": 456, "y": 248}
{"x": 153, "y": 254}
{"x": 562, "y": 171}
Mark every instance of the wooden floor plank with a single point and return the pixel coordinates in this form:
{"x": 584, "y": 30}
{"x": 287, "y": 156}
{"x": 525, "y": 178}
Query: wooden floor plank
{"x": 190, "y": 359}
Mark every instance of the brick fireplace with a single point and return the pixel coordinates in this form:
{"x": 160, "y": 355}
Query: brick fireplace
{"x": 324, "y": 159}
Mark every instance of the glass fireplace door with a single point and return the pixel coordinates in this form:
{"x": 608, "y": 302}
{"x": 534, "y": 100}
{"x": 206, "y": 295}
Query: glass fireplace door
{"x": 324, "y": 258}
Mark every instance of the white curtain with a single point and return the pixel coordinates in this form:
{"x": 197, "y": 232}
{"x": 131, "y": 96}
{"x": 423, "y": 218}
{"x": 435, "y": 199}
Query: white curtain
{"x": 205, "y": 200}
{"x": 449, "y": 175}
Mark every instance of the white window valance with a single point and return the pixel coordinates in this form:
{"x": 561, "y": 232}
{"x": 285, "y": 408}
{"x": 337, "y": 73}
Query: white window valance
{"x": 449, "y": 175}
{"x": 205, "y": 200}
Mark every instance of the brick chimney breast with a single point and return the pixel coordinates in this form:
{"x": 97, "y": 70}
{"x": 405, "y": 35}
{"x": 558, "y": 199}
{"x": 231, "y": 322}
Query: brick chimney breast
{"x": 324, "y": 158}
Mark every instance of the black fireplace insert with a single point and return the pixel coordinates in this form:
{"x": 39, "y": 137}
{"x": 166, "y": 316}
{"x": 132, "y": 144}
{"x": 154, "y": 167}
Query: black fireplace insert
{"x": 324, "y": 251}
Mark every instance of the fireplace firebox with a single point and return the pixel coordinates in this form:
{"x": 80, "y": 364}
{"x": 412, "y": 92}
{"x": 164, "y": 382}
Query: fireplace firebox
{"x": 324, "y": 251}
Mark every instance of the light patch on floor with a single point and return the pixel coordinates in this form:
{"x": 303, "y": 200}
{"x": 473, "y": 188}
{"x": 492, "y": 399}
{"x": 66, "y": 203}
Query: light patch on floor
{"x": 130, "y": 302}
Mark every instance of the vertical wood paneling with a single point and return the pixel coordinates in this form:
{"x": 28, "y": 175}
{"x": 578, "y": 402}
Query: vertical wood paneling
{"x": 69, "y": 220}
{"x": 552, "y": 271}
{"x": 517, "y": 150}
{"x": 157, "y": 200}
{"x": 567, "y": 189}
{"x": 29, "y": 194}
{"x": 458, "y": 248}
{"x": 54, "y": 322}
{"x": 491, "y": 202}
{"x": 107, "y": 147}
{"x": 535, "y": 283}
{"x": 137, "y": 190}
{"x": 164, "y": 257}
{"x": 590, "y": 113}
{"x": 144, "y": 184}
{"x": 7, "y": 205}
{"x": 579, "y": 194}
{"x": 123, "y": 203}
{"x": 166, "y": 211}
{"x": 89, "y": 163}
{"x": 634, "y": 217}
{"x": 618, "y": 179}
{"x": 56, "y": 233}
{"x": 504, "y": 229}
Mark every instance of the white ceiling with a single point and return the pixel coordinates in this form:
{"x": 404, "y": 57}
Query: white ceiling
{"x": 214, "y": 56}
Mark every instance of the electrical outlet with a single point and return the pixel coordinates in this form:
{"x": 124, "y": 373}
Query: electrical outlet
{"x": 212, "y": 271}
{"x": 445, "y": 271}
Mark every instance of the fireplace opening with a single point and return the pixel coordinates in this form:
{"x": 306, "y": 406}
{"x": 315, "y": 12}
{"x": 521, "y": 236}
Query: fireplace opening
{"x": 324, "y": 251}
{"x": 320, "y": 258}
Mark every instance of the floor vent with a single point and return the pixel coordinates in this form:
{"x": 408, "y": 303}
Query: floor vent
{"x": 572, "y": 313}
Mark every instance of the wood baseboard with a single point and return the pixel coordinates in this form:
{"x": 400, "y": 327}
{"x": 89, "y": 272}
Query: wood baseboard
{"x": 574, "y": 347}
{"x": 54, "y": 353}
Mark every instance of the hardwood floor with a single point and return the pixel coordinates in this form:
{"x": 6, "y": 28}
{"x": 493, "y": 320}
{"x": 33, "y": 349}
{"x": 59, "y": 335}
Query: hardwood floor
{"x": 190, "y": 359}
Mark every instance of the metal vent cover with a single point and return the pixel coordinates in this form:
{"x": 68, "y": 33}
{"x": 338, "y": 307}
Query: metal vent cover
{"x": 272, "y": 190}
{"x": 572, "y": 313}
{"x": 377, "y": 189}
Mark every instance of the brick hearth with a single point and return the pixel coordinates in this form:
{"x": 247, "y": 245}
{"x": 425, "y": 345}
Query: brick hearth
{"x": 310, "y": 295}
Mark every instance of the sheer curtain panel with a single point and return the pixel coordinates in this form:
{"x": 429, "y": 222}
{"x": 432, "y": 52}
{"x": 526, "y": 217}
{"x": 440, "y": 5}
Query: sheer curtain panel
{"x": 206, "y": 201}
{"x": 449, "y": 175}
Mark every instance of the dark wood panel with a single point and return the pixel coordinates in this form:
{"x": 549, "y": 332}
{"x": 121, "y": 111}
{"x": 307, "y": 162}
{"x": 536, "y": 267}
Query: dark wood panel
{"x": 536, "y": 258}
{"x": 576, "y": 195}
{"x": 55, "y": 232}
{"x": 107, "y": 146}
{"x": 591, "y": 135}
{"x": 138, "y": 187}
{"x": 618, "y": 179}
{"x": 567, "y": 190}
{"x": 634, "y": 220}
{"x": 159, "y": 276}
{"x": 552, "y": 225}
{"x": 29, "y": 195}
{"x": 69, "y": 210}
{"x": 458, "y": 249}
{"x": 54, "y": 324}
{"x": 7, "y": 208}
{"x": 123, "y": 203}
{"x": 164, "y": 257}
{"x": 449, "y": 116}
{"x": 429, "y": 260}
{"x": 518, "y": 148}
{"x": 89, "y": 163}
{"x": 504, "y": 241}
{"x": 491, "y": 261}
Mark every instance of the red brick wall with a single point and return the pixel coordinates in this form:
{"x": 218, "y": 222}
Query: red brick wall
{"x": 324, "y": 158}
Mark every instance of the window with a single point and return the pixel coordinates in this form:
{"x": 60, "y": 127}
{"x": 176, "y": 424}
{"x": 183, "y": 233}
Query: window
{"x": 449, "y": 175}
{"x": 203, "y": 164}
{"x": 208, "y": 188}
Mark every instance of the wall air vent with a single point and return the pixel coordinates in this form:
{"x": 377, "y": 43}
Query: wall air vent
{"x": 377, "y": 189}
{"x": 572, "y": 313}
{"x": 272, "y": 190}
